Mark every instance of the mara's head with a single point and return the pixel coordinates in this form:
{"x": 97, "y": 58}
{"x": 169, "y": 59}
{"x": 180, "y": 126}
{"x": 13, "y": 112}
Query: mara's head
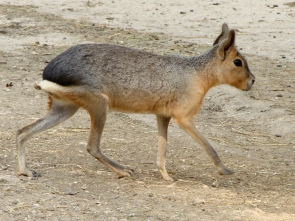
{"x": 233, "y": 68}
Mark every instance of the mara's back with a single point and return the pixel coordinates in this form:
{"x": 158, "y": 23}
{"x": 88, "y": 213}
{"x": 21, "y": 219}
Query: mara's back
{"x": 81, "y": 63}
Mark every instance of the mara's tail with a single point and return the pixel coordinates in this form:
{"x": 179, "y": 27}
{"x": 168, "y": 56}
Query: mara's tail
{"x": 64, "y": 94}
{"x": 59, "y": 91}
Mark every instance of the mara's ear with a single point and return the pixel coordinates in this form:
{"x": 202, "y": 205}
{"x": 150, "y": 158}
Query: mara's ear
{"x": 227, "y": 44}
{"x": 223, "y": 35}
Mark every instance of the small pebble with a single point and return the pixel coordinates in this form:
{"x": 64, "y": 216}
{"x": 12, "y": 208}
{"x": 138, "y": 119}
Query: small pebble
{"x": 84, "y": 187}
{"x": 50, "y": 209}
{"x": 214, "y": 184}
{"x": 70, "y": 192}
{"x": 14, "y": 202}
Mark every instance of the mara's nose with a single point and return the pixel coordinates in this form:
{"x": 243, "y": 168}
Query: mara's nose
{"x": 253, "y": 80}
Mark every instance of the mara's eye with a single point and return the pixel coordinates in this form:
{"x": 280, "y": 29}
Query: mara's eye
{"x": 238, "y": 62}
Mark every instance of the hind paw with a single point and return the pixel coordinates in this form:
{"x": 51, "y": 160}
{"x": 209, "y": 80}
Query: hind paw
{"x": 29, "y": 173}
{"x": 126, "y": 172}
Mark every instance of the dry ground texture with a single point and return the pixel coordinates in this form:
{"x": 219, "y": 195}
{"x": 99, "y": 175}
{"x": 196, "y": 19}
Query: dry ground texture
{"x": 253, "y": 132}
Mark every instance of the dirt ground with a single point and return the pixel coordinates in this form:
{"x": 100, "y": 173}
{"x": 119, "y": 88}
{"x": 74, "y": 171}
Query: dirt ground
{"x": 253, "y": 132}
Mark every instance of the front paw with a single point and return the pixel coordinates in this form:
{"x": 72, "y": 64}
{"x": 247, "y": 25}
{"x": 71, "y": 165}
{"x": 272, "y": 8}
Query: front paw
{"x": 225, "y": 171}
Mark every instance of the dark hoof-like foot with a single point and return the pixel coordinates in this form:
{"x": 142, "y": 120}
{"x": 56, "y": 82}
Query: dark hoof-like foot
{"x": 125, "y": 173}
{"x": 169, "y": 178}
{"x": 166, "y": 176}
{"x": 225, "y": 171}
{"x": 29, "y": 173}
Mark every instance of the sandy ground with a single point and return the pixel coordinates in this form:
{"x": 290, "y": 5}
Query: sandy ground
{"x": 253, "y": 132}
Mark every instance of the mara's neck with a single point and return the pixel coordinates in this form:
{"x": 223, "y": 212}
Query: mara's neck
{"x": 206, "y": 75}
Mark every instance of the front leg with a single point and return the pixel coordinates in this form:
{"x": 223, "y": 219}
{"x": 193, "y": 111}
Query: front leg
{"x": 163, "y": 123}
{"x": 188, "y": 125}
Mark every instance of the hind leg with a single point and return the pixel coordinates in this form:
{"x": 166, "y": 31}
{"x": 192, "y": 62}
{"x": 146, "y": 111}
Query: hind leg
{"x": 98, "y": 115}
{"x": 59, "y": 112}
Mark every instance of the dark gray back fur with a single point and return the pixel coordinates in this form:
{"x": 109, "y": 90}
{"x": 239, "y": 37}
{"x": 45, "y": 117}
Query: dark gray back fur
{"x": 95, "y": 65}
